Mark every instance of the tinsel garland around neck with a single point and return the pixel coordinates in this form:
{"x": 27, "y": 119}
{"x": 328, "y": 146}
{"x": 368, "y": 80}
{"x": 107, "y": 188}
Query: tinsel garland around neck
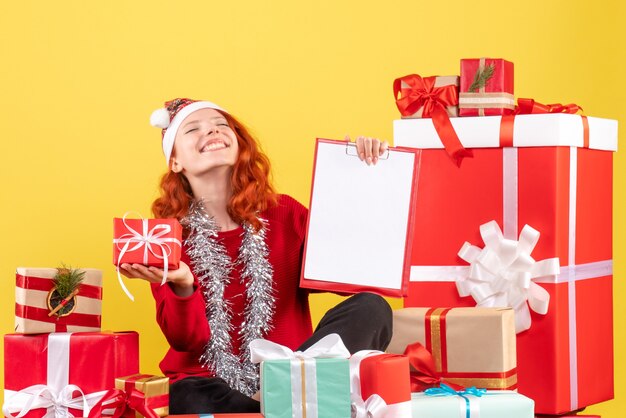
{"x": 212, "y": 266}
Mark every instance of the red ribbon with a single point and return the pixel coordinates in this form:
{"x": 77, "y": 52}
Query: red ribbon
{"x": 530, "y": 106}
{"x": 60, "y": 322}
{"x": 424, "y": 375}
{"x": 422, "y": 93}
{"x": 130, "y": 400}
{"x": 43, "y": 284}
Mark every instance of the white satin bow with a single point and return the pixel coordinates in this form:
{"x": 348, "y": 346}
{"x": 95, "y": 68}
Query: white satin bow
{"x": 373, "y": 407}
{"x": 57, "y": 404}
{"x": 503, "y": 273}
{"x": 330, "y": 346}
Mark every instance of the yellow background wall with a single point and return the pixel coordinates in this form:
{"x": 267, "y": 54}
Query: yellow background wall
{"x": 79, "y": 79}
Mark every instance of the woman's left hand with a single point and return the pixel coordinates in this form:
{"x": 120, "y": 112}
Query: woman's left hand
{"x": 369, "y": 149}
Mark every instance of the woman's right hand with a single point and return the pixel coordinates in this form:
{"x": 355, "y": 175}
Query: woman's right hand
{"x": 181, "y": 279}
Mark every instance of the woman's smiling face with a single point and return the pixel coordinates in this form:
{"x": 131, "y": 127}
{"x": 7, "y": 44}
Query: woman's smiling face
{"x": 204, "y": 141}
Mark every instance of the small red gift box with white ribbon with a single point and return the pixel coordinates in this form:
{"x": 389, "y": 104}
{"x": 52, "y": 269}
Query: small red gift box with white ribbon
{"x": 379, "y": 385}
{"x": 150, "y": 242}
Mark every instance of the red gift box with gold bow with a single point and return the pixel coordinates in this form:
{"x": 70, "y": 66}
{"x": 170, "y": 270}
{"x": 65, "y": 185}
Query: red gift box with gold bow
{"x": 135, "y": 396}
{"x": 552, "y": 172}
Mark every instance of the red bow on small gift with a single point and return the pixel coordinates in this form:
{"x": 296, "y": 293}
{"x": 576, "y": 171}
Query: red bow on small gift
{"x": 134, "y": 400}
{"x": 424, "y": 375}
{"x": 421, "y": 92}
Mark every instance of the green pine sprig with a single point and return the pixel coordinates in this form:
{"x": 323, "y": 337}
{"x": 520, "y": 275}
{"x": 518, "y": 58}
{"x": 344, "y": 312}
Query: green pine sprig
{"x": 482, "y": 77}
{"x": 67, "y": 280}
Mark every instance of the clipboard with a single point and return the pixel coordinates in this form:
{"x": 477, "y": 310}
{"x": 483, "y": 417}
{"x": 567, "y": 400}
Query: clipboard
{"x": 359, "y": 227}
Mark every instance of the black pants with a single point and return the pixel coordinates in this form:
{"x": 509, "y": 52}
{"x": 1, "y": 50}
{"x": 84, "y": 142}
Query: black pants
{"x": 364, "y": 322}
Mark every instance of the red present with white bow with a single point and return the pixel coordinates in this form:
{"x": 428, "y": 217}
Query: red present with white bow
{"x": 552, "y": 172}
{"x": 51, "y": 375}
{"x": 150, "y": 242}
{"x": 33, "y": 290}
{"x": 379, "y": 385}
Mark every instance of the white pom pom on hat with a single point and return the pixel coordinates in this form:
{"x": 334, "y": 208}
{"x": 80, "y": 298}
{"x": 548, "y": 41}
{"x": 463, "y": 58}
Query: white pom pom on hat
{"x": 160, "y": 118}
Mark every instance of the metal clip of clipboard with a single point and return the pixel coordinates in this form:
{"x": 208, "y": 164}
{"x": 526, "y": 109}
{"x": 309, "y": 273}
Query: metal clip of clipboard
{"x": 351, "y": 150}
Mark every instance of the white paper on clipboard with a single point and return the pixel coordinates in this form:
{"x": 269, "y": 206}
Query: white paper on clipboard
{"x": 359, "y": 218}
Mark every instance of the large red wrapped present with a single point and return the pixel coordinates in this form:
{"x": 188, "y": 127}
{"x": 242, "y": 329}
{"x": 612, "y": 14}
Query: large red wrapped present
{"x": 151, "y": 242}
{"x": 486, "y": 87}
{"x": 44, "y": 373}
{"x": 554, "y": 173}
{"x": 380, "y": 385}
{"x": 36, "y": 299}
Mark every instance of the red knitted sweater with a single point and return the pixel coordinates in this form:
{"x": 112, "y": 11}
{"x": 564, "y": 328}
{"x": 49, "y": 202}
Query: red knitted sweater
{"x": 183, "y": 320}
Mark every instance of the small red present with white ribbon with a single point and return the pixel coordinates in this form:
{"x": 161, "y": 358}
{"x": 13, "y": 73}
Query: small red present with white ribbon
{"x": 150, "y": 242}
{"x": 379, "y": 385}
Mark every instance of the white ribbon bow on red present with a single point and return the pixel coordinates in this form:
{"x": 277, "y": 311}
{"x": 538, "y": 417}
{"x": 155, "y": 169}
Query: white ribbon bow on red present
{"x": 56, "y": 404}
{"x": 503, "y": 273}
{"x": 157, "y": 236}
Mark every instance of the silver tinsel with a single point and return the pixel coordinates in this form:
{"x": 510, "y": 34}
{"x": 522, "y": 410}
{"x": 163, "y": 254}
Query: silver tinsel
{"x": 212, "y": 266}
